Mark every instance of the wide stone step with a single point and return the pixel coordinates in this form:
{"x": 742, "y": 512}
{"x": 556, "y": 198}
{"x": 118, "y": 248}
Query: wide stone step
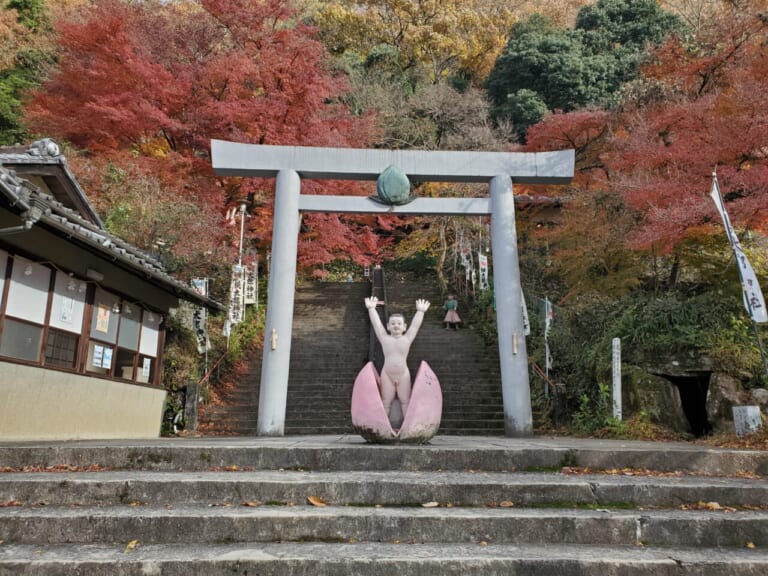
{"x": 375, "y": 559}
{"x": 249, "y": 427}
{"x": 309, "y": 406}
{"x": 329, "y": 394}
{"x": 451, "y": 405}
{"x": 201, "y": 524}
{"x": 324, "y": 379}
{"x": 321, "y": 415}
{"x": 472, "y": 423}
{"x": 464, "y": 418}
{"x": 472, "y": 389}
{"x": 469, "y": 418}
{"x": 350, "y": 452}
{"x": 235, "y": 407}
{"x": 494, "y": 505}
{"x": 236, "y": 416}
{"x": 328, "y": 429}
{"x": 390, "y": 488}
{"x": 340, "y": 398}
{"x": 464, "y": 431}
{"x": 325, "y": 368}
{"x": 334, "y": 420}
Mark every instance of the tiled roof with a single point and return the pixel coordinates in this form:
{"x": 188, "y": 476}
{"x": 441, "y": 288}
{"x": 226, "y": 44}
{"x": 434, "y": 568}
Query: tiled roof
{"x": 47, "y": 153}
{"x": 35, "y": 207}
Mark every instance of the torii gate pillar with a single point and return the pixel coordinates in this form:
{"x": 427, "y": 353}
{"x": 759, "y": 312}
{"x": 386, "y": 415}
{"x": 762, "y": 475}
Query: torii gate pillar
{"x": 507, "y": 291}
{"x": 291, "y": 163}
{"x": 273, "y": 395}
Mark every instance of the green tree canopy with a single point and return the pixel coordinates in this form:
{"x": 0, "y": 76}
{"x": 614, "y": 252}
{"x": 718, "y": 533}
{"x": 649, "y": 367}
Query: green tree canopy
{"x": 569, "y": 69}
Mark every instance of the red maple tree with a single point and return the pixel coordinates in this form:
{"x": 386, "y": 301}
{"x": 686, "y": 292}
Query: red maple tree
{"x": 644, "y": 169}
{"x": 152, "y": 83}
{"x": 708, "y": 115}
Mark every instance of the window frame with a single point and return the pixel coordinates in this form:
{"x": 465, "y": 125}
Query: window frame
{"x": 85, "y": 341}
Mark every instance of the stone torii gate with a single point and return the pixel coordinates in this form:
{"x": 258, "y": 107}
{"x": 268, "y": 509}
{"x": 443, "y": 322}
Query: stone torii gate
{"x": 289, "y": 164}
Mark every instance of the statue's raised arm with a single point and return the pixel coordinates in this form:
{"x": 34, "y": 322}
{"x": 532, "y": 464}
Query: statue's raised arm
{"x": 378, "y": 327}
{"x": 421, "y": 307}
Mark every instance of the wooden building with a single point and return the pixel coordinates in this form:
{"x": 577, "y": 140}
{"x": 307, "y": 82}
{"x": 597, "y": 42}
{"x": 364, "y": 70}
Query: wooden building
{"x": 81, "y": 311}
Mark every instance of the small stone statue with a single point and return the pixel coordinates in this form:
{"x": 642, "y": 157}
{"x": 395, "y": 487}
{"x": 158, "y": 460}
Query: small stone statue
{"x": 395, "y": 376}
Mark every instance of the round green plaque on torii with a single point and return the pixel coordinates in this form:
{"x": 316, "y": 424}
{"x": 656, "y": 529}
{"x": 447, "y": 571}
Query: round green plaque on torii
{"x": 393, "y": 187}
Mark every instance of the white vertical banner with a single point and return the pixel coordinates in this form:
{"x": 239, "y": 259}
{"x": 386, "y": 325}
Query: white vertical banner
{"x": 466, "y": 254}
{"x": 483, "y": 264}
{"x": 200, "y": 316}
{"x": 199, "y": 322}
{"x": 251, "y": 281}
{"x": 237, "y": 295}
{"x": 753, "y": 296}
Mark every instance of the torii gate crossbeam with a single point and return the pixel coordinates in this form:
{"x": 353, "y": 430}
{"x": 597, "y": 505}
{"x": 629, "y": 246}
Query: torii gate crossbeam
{"x": 288, "y": 164}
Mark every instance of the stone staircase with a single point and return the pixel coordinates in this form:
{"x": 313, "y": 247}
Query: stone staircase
{"x": 329, "y": 347}
{"x": 468, "y": 370}
{"x": 331, "y": 336}
{"x": 324, "y": 505}
{"x": 239, "y": 411}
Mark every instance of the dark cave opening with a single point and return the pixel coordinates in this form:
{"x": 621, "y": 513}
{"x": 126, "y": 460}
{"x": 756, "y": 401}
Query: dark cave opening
{"x": 693, "y": 391}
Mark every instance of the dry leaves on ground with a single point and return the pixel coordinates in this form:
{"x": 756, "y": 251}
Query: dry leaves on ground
{"x": 502, "y": 504}
{"x": 701, "y": 505}
{"x": 56, "y": 468}
{"x": 576, "y": 470}
{"x": 231, "y": 468}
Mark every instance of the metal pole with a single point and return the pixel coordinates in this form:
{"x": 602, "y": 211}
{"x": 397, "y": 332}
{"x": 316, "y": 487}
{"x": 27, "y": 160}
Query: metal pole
{"x": 547, "y": 354}
{"x": 243, "y": 275}
{"x": 513, "y": 355}
{"x": 273, "y": 394}
{"x": 242, "y": 230}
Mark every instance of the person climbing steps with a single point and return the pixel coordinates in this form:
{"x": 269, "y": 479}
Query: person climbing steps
{"x": 452, "y": 319}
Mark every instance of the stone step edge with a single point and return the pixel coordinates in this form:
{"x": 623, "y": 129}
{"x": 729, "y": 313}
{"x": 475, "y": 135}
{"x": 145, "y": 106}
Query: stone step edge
{"x": 350, "y": 452}
{"x": 386, "y": 488}
{"x": 355, "y": 558}
{"x": 89, "y": 525}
